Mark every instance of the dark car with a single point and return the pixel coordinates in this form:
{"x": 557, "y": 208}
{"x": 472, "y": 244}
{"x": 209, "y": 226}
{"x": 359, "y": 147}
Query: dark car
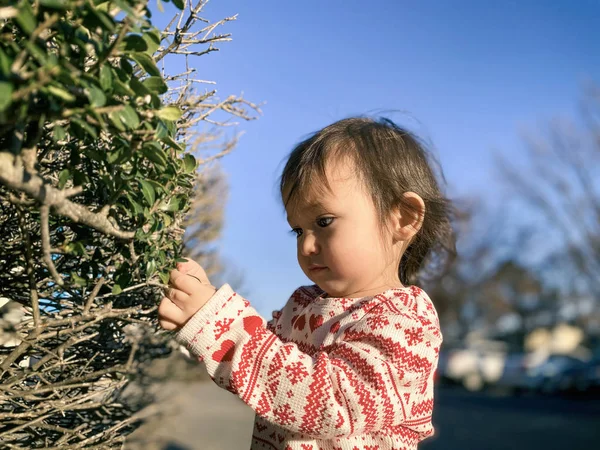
{"x": 584, "y": 377}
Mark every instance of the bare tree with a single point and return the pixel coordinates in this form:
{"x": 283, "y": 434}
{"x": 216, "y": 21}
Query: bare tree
{"x": 561, "y": 182}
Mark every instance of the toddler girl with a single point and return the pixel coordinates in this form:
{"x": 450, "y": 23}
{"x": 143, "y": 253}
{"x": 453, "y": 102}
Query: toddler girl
{"x": 348, "y": 363}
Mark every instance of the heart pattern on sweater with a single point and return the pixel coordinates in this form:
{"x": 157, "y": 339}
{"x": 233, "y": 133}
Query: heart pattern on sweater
{"x": 335, "y": 327}
{"x": 315, "y": 322}
{"x": 251, "y": 324}
{"x": 225, "y": 353}
{"x": 298, "y": 322}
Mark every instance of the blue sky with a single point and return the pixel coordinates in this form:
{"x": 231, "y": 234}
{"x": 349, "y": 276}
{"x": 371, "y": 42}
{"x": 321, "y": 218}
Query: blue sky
{"x": 467, "y": 76}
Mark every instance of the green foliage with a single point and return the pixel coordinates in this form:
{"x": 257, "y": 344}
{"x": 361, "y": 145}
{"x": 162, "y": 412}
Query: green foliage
{"x": 82, "y": 83}
{"x": 98, "y": 147}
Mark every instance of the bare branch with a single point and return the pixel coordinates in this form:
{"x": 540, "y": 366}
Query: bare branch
{"x": 13, "y": 175}
{"x": 44, "y": 210}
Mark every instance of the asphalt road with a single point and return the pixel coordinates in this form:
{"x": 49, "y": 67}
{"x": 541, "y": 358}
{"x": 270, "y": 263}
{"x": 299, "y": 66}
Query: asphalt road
{"x": 476, "y": 421}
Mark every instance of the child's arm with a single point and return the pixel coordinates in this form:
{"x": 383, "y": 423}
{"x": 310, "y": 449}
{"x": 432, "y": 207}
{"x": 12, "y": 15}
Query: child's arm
{"x": 377, "y": 376}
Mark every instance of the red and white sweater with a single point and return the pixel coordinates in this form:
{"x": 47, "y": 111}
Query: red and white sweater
{"x": 325, "y": 373}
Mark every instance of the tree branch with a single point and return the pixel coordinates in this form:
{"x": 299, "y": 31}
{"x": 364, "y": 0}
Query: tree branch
{"x": 14, "y": 175}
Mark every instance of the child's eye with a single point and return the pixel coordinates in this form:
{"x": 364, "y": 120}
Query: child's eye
{"x": 296, "y": 231}
{"x": 324, "y": 221}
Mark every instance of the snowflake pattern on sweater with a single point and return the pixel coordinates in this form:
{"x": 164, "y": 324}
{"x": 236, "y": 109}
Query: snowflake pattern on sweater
{"x": 325, "y": 373}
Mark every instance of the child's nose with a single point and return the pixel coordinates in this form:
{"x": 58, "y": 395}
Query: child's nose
{"x": 309, "y": 245}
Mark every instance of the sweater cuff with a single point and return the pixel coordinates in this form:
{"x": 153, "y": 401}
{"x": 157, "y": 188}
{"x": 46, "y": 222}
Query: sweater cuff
{"x": 206, "y": 327}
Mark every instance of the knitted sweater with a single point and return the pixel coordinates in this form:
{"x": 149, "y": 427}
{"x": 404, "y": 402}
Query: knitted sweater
{"x": 325, "y": 373}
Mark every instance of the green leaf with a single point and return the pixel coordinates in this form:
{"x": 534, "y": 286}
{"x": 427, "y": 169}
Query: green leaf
{"x": 157, "y": 186}
{"x": 156, "y": 225}
{"x": 189, "y": 163}
{"x": 147, "y": 63}
{"x": 166, "y": 219}
{"x": 125, "y": 7}
{"x": 106, "y": 77}
{"x": 126, "y": 67}
{"x": 6, "y": 90}
{"x": 169, "y": 113}
{"x": 115, "y": 155}
{"x": 139, "y": 88}
{"x": 75, "y": 248}
{"x": 97, "y": 17}
{"x": 161, "y": 131}
{"x": 148, "y": 191}
{"x": 122, "y": 278}
{"x": 150, "y": 268}
{"x": 129, "y": 117}
{"x": 134, "y": 43}
{"x": 25, "y": 18}
{"x": 164, "y": 277}
{"x": 58, "y": 133}
{"x": 5, "y": 63}
{"x": 65, "y": 78}
{"x": 64, "y": 176}
{"x": 171, "y": 127}
{"x": 137, "y": 208}
{"x": 155, "y": 103}
{"x": 80, "y": 178}
{"x": 154, "y": 153}
{"x": 171, "y": 143}
{"x": 91, "y": 111}
{"x": 120, "y": 154}
{"x": 61, "y": 93}
{"x": 78, "y": 280}
{"x": 172, "y": 205}
{"x": 96, "y": 96}
{"x": 116, "y": 290}
{"x": 115, "y": 118}
{"x": 152, "y": 39}
{"x": 82, "y": 127}
{"x": 95, "y": 155}
{"x": 122, "y": 89}
{"x": 178, "y": 3}
{"x": 156, "y": 84}
{"x": 36, "y": 52}
{"x": 54, "y": 4}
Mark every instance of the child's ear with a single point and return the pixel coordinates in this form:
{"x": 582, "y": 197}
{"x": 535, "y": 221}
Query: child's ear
{"x": 407, "y": 221}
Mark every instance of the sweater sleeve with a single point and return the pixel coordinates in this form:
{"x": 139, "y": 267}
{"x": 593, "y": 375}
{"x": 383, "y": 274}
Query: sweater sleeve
{"x": 376, "y": 377}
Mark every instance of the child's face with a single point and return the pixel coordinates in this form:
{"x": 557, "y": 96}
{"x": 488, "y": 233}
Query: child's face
{"x": 340, "y": 247}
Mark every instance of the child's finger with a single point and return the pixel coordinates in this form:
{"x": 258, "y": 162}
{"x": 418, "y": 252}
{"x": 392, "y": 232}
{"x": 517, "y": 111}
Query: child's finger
{"x": 184, "y": 267}
{"x": 169, "y": 312}
{"x": 192, "y": 268}
{"x": 186, "y": 283}
{"x": 167, "y": 325}
{"x": 187, "y": 266}
{"x": 177, "y": 296}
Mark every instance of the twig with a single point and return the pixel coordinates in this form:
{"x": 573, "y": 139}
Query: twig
{"x": 45, "y": 232}
{"x": 90, "y": 300}
{"x": 35, "y": 306}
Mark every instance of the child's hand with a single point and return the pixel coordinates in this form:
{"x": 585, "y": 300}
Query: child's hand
{"x": 189, "y": 291}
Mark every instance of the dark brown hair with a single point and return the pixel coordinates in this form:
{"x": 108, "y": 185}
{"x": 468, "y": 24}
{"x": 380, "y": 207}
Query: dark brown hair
{"x": 390, "y": 161}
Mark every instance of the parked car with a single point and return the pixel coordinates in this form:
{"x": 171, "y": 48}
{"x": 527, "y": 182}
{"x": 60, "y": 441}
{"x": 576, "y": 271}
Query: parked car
{"x": 548, "y": 376}
{"x": 514, "y": 374}
{"x": 584, "y": 377}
